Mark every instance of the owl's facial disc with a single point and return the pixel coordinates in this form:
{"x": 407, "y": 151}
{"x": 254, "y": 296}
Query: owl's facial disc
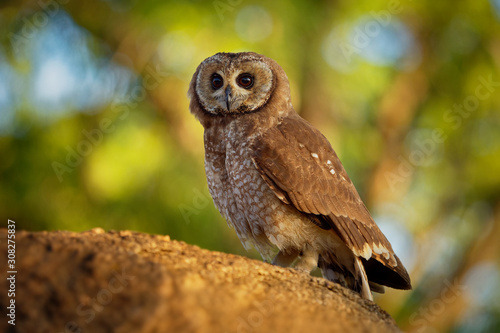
{"x": 234, "y": 87}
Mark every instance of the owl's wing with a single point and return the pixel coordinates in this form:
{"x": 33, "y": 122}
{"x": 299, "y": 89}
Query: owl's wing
{"x": 300, "y": 166}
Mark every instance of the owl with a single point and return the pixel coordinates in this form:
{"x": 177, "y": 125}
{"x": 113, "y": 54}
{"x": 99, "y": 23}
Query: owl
{"x": 277, "y": 180}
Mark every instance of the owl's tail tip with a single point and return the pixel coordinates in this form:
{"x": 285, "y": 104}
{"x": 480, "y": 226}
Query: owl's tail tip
{"x": 356, "y": 280}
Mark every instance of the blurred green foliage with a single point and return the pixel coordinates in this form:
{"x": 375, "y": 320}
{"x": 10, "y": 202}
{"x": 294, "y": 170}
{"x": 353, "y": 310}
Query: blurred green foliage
{"x": 95, "y": 129}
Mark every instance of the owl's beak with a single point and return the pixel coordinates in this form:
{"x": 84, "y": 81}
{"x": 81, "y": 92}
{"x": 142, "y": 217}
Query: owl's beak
{"x": 229, "y": 97}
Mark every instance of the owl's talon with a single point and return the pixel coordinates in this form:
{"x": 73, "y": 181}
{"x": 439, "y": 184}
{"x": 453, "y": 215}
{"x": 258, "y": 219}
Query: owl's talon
{"x": 285, "y": 259}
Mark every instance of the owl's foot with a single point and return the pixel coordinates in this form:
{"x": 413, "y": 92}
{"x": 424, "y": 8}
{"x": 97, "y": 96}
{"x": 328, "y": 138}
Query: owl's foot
{"x": 285, "y": 259}
{"x": 308, "y": 261}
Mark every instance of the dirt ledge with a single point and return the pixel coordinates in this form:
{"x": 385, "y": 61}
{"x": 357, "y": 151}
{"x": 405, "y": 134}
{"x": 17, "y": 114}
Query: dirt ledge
{"x": 123, "y": 281}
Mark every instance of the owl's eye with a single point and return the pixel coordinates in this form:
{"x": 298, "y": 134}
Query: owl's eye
{"x": 245, "y": 81}
{"x": 217, "y": 81}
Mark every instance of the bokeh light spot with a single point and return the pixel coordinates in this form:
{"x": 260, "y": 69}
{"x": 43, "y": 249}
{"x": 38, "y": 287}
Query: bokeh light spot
{"x": 253, "y": 23}
{"x": 176, "y": 50}
{"x": 55, "y": 81}
{"x": 125, "y": 161}
{"x": 482, "y": 284}
{"x": 496, "y": 7}
{"x": 387, "y": 43}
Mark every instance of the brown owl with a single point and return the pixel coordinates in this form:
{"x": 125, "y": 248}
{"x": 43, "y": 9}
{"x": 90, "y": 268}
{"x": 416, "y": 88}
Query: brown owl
{"x": 277, "y": 180}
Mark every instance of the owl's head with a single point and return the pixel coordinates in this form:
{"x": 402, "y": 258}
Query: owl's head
{"x": 235, "y": 83}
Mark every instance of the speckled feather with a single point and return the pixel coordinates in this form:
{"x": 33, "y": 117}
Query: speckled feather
{"x": 300, "y": 165}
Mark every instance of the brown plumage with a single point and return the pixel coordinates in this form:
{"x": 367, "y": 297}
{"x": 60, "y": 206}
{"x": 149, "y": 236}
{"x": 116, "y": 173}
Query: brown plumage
{"x": 277, "y": 180}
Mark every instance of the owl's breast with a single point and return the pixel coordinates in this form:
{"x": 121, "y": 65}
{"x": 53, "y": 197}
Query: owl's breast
{"x": 247, "y": 202}
{"x": 218, "y": 163}
{"x": 241, "y": 194}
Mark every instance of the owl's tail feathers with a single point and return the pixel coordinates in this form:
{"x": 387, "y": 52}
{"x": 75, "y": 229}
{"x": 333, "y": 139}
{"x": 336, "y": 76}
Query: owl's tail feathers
{"x": 355, "y": 280}
{"x": 376, "y": 288}
{"x": 361, "y": 275}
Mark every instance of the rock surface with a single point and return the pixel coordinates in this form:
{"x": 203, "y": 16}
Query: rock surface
{"x": 122, "y": 281}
